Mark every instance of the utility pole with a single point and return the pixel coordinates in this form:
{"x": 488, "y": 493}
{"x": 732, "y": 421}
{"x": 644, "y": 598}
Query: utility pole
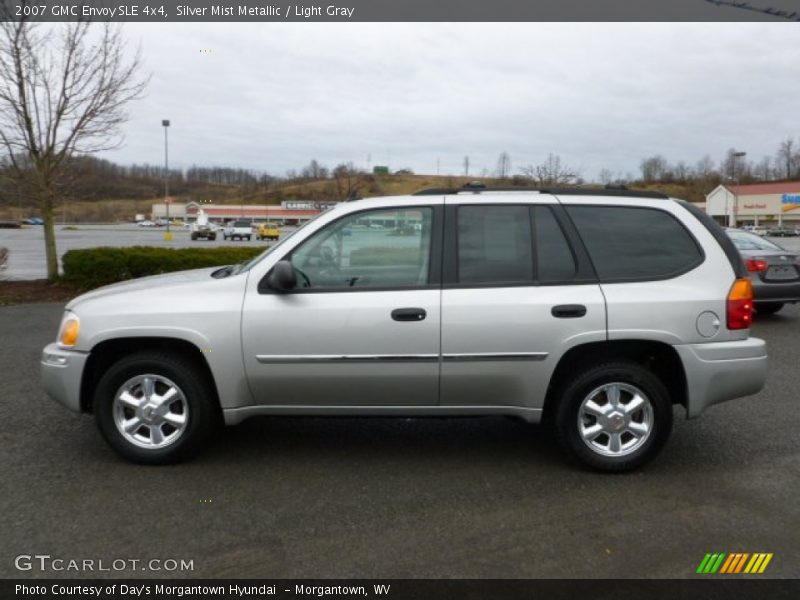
{"x": 165, "y": 124}
{"x": 466, "y": 166}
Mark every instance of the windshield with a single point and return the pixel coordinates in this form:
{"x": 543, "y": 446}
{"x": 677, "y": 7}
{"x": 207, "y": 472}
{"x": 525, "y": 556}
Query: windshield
{"x": 248, "y": 265}
{"x": 750, "y": 241}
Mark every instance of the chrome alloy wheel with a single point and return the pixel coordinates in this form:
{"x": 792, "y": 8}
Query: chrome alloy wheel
{"x": 150, "y": 411}
{"x": 615, "y": 419}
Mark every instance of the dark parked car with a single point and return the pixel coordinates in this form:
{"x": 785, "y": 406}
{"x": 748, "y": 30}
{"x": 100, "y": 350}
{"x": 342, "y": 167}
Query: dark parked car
{"x": 782, "y": 232}
{"x": 774, "y": 271}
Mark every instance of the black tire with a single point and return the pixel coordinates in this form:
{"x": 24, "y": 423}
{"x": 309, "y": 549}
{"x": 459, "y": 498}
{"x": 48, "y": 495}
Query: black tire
{"x": 768, "y": 308}
{"x": 194, "y": 237}
{"x": 579, "y": 387}
{"x": 203, "y": 414}
{"x": 248, "y": 238}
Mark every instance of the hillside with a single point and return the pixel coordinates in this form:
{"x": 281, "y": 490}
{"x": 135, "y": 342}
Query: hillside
{"x": 122, "y": 206}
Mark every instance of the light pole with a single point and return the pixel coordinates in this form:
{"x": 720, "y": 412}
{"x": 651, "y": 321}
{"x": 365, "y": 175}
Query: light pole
{"x": 736, "y": 156}
{"x": 165, "y": 124}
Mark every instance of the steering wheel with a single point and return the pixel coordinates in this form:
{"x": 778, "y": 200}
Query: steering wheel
{"x": 306, "y": 281}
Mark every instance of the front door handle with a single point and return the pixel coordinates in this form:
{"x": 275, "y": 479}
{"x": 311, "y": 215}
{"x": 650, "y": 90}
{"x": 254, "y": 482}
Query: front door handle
{"x": 409, "y": 314}
{"x": 568, "y": 311}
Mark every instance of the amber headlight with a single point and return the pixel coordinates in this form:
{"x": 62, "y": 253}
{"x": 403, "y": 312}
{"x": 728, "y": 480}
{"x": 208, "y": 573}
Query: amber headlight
{"x": 68, "y": 333}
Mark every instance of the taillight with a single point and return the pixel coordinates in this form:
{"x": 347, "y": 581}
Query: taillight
{"x": 756, "y": 265}
{"x": 740, "y": 304}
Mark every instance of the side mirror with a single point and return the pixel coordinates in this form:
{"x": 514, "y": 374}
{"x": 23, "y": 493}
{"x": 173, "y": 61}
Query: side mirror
{"x": 282, "y": 278}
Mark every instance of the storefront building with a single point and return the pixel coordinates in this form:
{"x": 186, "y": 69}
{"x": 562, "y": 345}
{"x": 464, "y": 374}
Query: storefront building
{"x": 774, "y": 204}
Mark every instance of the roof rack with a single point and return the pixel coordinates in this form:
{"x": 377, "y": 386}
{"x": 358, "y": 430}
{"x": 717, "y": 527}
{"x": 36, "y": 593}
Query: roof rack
{"x": 477, "y": 187}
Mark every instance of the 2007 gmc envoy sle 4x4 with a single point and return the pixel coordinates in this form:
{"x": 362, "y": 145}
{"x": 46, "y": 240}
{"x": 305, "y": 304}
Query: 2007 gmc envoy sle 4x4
{"x": 597, "y": 310}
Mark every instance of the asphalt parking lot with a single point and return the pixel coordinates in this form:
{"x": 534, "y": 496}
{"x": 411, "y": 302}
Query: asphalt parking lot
{"x": 303, "y": 497}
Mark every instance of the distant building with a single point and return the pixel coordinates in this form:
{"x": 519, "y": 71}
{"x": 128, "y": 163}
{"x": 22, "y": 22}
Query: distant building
{"x": 774, "y": 203}
{"x": 255, "y": 213}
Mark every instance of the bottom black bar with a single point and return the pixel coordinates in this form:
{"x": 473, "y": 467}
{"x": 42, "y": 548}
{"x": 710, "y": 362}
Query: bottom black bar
{"x": 704, "y": 587}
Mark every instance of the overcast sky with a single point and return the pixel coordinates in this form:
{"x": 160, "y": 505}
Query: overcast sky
{"x": 271, "y": 97}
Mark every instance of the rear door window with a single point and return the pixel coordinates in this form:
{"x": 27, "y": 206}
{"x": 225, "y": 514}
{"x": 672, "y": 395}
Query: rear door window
{"x": 495, "y": 245}
{"x": 635, "y": 243}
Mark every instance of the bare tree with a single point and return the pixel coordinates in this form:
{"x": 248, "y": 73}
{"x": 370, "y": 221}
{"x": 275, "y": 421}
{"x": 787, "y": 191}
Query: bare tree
{"x": 606, "y": 176}
{"x": 348, "y": 180}
{"x": 653, "y": 168}
{"x": 504, "y": 165}
{"x": 705, "y": 169}
{"x": 682, "y": 171}
{"x": 63, "y": 92}
{"x": 3, "y": 260}
{"x": 466, "y": 166}
{"x": 763, "y": 171}
{"x": 550, "y": 172}
{"x": 788, "y": 158}
{"x": 314, "y": 170}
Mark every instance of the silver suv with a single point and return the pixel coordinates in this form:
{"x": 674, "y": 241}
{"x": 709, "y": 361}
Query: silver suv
{"x": 596, "y": 311}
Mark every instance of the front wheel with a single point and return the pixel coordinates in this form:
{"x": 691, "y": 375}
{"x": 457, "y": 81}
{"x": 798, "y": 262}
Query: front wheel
{"x": 155, "y": 407}
{"x": 614, "y": 417}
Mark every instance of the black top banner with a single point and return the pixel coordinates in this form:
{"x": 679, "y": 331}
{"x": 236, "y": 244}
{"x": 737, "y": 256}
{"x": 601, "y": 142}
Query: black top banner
{"x": 401, "y": 10}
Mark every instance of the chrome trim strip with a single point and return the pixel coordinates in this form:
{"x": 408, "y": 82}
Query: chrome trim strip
{"x": 282, "y": 359}
{"x": 489, "y": 356}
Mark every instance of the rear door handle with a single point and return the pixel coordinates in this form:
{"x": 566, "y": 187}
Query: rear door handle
{"x": 568, "y": 311}
{"x": 409, "y": 314}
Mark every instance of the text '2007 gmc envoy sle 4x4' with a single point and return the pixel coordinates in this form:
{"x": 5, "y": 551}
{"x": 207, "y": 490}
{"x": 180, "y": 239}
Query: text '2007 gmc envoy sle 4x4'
{"x": 597, "y": 310}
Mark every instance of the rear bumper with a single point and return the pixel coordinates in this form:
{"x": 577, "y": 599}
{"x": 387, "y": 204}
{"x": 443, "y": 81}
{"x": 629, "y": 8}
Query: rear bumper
{"x": 776, "y": 292}
{"x": 62, "y": 371}
{"x": 721, "y": 371}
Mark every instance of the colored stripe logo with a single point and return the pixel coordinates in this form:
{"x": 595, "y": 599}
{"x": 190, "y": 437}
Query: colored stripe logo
{"x": 735, "y": 562}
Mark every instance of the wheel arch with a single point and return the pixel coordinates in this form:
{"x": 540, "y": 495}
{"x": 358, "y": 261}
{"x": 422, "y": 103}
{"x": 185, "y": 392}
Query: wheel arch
{"x": 107, "y": 352}
{"x": 658, "y": 357}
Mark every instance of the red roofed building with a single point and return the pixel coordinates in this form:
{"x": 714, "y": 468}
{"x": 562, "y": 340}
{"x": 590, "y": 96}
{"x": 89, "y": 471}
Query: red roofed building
{"x": 772, "y": 203}
{"x": 290, "y": 212}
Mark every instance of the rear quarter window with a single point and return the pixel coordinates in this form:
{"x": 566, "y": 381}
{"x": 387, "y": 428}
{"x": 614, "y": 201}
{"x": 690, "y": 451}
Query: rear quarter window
{"x": 635, "y": 243}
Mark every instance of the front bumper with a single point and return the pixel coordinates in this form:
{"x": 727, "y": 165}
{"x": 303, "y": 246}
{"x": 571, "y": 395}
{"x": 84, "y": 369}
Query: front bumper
{"x": 721, "y": 371}
{"x": 62, "y": 371}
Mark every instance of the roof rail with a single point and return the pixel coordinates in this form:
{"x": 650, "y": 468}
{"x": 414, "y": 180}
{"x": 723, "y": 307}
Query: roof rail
{"x": 477, "y": 187}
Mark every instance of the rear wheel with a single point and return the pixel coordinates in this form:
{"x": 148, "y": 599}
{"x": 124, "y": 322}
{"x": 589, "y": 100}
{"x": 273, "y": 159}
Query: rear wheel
{"x": 614, "y": 417}
{"x": 768, "y": 308}
{"x": 154, "y": 408}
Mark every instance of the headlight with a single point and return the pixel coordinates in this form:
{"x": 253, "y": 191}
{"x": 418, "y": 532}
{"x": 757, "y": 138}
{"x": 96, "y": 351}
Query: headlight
{"x": 69, "y": 330}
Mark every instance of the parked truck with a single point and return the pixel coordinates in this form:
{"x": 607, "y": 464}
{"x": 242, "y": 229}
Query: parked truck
{"x": 238, "y": 230}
